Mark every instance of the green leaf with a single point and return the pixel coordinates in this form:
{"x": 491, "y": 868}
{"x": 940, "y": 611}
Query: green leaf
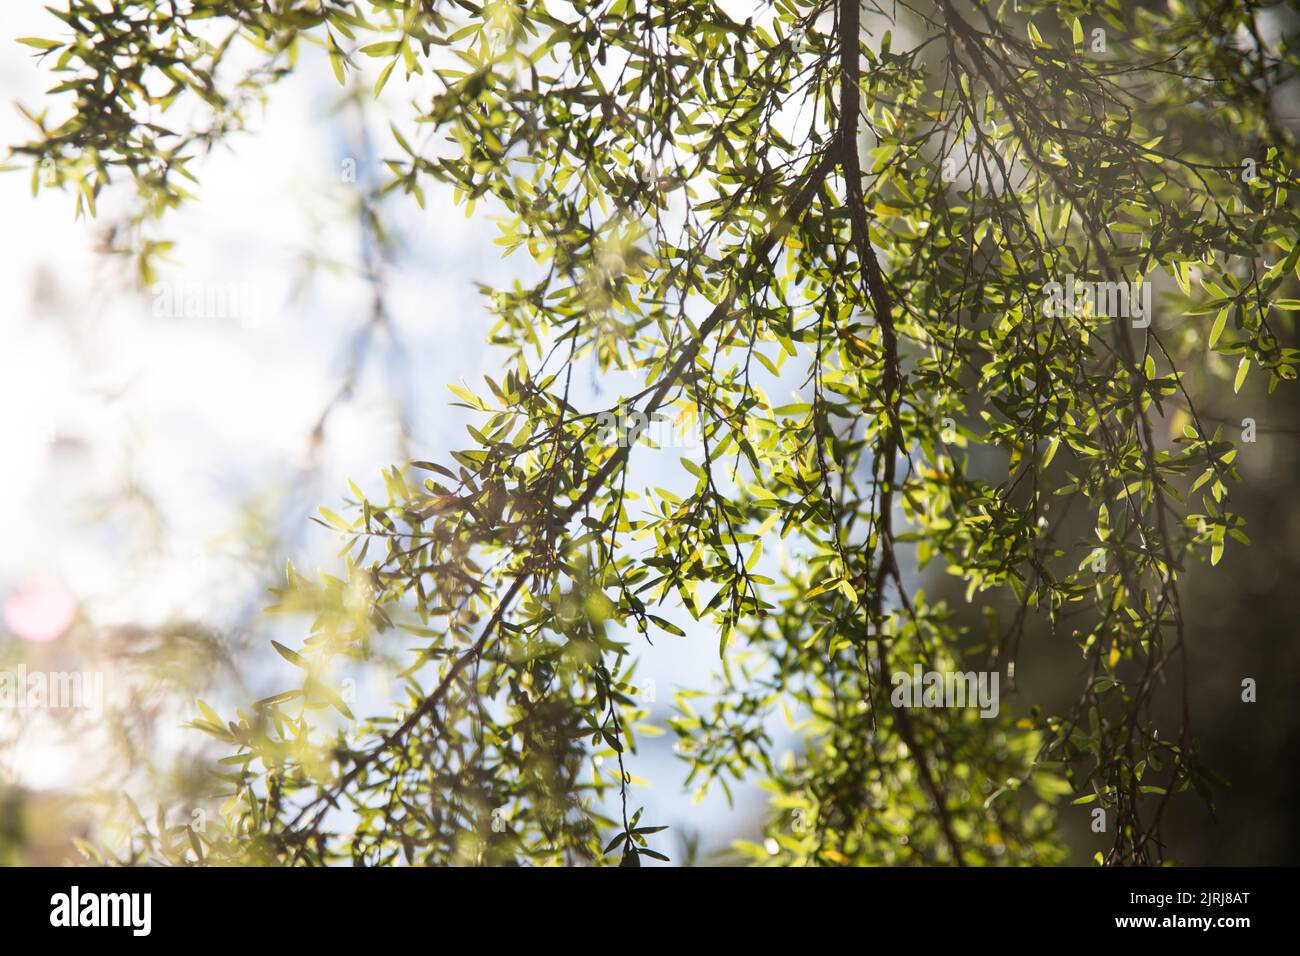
{"x": 1220, "y": 321}
{"x": 383, "y": 77}
{"x": 668, "y": 626}
{"x": 208, "y": 713}
{"x": 1242, "y": 368}
{"x": 293, "y": 657}
{"x": 336, "y": 58}
{"x": 334, "y": 519}
{"x": 465, "y": 395}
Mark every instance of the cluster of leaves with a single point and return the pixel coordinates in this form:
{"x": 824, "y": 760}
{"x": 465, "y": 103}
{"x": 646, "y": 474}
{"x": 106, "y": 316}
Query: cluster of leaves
{"x": 719, "y": 210}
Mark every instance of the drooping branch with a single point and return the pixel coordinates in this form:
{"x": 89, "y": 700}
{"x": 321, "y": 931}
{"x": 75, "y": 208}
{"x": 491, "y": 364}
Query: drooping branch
{"x": 891, "y": 400}
{"x": 810, "y": 185}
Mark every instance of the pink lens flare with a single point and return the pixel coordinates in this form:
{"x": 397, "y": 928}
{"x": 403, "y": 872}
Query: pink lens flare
{"x": 41, "y": 610}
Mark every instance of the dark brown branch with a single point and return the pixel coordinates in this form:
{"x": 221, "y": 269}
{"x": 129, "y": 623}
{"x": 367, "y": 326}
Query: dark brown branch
{"x": 882, "y": 306}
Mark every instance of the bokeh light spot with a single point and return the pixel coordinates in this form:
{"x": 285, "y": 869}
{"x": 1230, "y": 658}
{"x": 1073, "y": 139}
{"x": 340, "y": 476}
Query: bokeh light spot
{"x": 41, "y": 610}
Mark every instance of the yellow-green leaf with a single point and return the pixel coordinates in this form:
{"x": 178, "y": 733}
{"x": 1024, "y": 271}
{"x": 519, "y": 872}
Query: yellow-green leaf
{"x": 1242, "y": 368}
{"x": 1219, "y": 322}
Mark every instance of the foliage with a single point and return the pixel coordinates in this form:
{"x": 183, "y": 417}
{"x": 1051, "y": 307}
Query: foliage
{"x": 869, "y": 211}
